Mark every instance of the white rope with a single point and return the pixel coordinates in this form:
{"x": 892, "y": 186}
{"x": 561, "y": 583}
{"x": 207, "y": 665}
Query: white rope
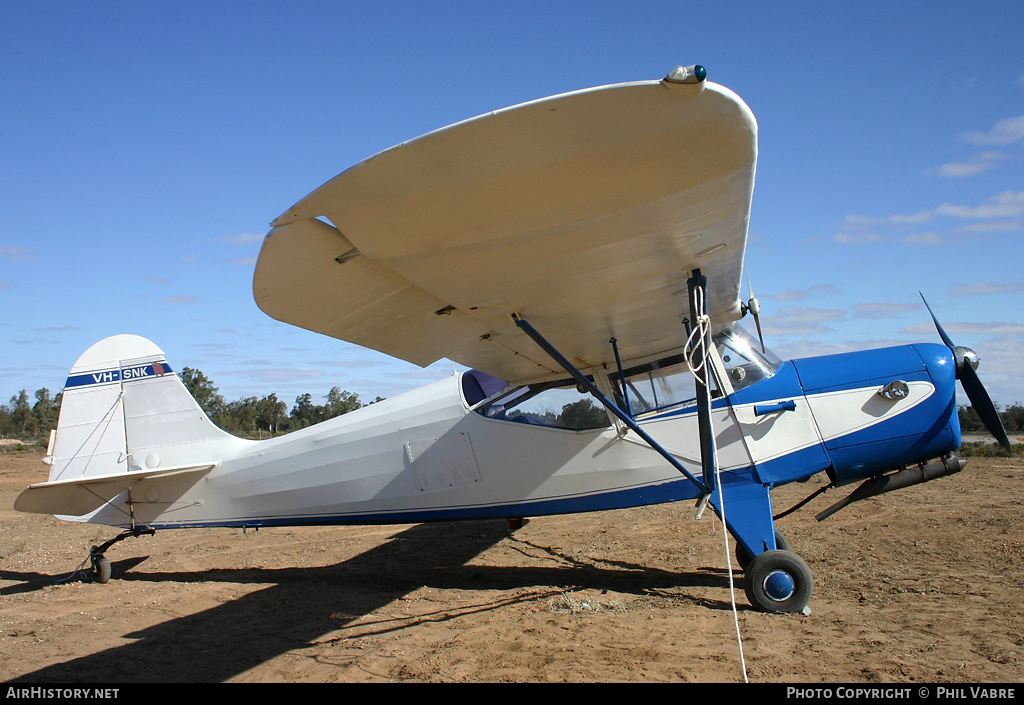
{"x": 728, "y": 559}
{"x": 702, "y": 328}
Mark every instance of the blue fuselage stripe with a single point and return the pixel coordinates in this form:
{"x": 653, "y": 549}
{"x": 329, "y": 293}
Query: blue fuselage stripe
{"x": 117, "y": 375}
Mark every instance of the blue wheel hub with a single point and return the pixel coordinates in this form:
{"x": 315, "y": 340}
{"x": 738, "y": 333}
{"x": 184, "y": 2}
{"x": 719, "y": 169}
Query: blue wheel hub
{"x": 779, "y": 585}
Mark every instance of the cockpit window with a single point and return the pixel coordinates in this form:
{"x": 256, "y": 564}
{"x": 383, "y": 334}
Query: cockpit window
{"x": 658, "y": 385}
{"x": 555, "y": 404}
{"x": 745, "y": 363}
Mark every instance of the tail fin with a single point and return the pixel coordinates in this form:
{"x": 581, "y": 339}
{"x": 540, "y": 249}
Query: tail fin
{"x": 124, "y": 410}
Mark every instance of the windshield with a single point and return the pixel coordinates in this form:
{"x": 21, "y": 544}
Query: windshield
{"x": 657, "y": 385}
{"x": 745, "y": 363}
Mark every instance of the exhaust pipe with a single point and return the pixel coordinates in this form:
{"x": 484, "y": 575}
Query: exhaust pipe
{"x": 906, "y": 477}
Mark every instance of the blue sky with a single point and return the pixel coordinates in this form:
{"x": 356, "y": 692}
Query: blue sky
{"x": 146, "y": 146}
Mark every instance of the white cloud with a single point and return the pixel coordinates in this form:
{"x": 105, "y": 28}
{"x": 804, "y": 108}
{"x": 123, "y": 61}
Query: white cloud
{"x": 882, "y": 310}
{"x": 179, "y": 299}
{"x": 860, "y": 221}
{"x": 857, "y": 238}
{"x": 1002, "y": 133}
{"x": 816, "y": 291}
{"x": 975, "y": 165}
{"x": 922, "y": 217}
{"x": 16, "y": 252}
{"x": 927, "y": 238}
{"x": 242, "y": 239}
{"x": 862, "y": 229}
{"x": 999, "y": 330}
{"x": 986, "y": 288}
{"x": 1008, "y": 204}
{"x": 797, "y": 320}
{"x": 154, "y": 279}
{"x": 998, "y": 226}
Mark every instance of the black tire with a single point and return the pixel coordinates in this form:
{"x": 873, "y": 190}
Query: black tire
{"x": 743, "y": 556}
{"x": 779, "y": 581}
{"x": 101, "y": 570}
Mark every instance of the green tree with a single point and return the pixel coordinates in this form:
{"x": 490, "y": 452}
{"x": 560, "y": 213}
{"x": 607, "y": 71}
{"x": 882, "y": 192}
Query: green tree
{"x": 46, "y": 410}
{"x": 583, "y": 414}
{"x": 1013, "y": 417}
{"x": 23, "y": 422}
{"x": 306, "y": 413}
{"x": 200, "y": 387}
{"x": 339, "y": 402}
{"x": 270, "y": 412}
{"x": 970, "y": 422}
{"x": 240, "y": 416}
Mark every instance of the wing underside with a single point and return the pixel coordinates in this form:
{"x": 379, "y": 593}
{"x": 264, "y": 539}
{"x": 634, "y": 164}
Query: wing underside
{"x": 584, "y": 213}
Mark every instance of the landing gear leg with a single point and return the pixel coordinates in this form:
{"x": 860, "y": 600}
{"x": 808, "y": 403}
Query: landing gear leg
{"x": 101, "y": 570}
{"x": 777, "y": 580}
{"x": 744, "y": 557}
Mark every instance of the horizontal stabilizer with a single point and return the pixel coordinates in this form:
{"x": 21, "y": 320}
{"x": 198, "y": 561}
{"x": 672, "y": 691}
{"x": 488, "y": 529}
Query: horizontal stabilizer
{"x": 81, "y": 496}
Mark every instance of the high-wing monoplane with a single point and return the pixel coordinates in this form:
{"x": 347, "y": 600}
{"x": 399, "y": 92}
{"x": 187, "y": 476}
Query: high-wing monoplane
{"x": 581, "y": 256}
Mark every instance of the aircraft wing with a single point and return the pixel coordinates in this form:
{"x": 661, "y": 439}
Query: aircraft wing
{"x": 583, "y": 213}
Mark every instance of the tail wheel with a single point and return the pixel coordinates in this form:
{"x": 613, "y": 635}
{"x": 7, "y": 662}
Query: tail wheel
{"x": 101, "y": 569}
{"x": 779, "y": 581}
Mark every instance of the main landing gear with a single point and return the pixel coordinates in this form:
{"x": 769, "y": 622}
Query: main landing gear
{"x": 779, "y": 581}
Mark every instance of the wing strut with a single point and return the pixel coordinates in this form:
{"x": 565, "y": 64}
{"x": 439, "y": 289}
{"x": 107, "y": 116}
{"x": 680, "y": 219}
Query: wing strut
{"x": 701, "y": 368}
{"x": 608, "y": 403}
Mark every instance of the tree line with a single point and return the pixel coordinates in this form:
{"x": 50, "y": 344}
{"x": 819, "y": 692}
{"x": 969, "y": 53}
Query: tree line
{"x": 255, "y": 417}
{"x": 1012, "y": 418}
{"x": 249, "y": 417}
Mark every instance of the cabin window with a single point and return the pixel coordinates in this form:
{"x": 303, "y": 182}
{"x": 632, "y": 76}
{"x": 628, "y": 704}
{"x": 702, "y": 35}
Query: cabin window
{"x": 744, "y": 361}
{"x": 658, "y": 385}
{"x": 554, "y": 404}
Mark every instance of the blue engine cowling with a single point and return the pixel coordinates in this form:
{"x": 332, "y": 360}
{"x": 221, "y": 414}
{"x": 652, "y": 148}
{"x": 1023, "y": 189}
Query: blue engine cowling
{"x": 928, "y": 430}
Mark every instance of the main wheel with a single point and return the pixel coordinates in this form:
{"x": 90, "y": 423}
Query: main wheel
{"x": 779, "y": 581}
{"x": 743, "y": 556}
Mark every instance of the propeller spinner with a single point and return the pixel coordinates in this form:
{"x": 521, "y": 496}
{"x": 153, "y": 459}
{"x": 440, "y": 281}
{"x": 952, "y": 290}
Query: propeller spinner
{"x": 966, "y": 364}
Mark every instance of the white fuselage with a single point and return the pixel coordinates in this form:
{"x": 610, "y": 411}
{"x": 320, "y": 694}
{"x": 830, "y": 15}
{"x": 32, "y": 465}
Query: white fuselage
{"x": 421, "y": 456}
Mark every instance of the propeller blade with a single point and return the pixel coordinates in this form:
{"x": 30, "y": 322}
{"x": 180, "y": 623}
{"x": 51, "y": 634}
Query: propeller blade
{"x": 973, "y": 387}
{"x": 983, "y": 405}
{"x": 755, "y": 309}
{"x": 942, "y": 333}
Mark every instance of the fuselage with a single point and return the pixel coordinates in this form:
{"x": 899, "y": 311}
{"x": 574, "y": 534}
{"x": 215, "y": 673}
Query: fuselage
{"x": 457, "y": 449}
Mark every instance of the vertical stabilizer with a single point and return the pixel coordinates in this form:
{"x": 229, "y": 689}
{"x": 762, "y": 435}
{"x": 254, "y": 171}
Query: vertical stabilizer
{"x": 124, "y": 409}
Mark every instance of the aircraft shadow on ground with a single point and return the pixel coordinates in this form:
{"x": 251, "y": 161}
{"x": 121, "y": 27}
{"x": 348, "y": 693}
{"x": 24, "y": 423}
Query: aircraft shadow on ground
{"x": 301, "y": 605}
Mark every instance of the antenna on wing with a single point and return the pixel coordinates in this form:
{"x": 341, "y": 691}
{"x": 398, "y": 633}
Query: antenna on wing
{"x": 754, "y": 308}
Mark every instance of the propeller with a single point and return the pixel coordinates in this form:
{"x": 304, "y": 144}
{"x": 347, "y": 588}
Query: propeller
{"x": 966, "y": 366}
{"x": 754, "y": 308}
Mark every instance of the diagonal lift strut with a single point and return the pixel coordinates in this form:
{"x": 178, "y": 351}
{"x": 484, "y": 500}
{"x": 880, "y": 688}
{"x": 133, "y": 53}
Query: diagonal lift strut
{"x": 581, "y": 379}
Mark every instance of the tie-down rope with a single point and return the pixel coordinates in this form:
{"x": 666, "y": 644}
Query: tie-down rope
{"x": 701, "y": 332}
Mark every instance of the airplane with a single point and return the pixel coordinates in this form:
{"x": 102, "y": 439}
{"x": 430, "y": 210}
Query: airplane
{"x": 581, "y": 256}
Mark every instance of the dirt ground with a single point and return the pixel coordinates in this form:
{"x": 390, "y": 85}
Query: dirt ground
{"x": 918, "y": 586}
